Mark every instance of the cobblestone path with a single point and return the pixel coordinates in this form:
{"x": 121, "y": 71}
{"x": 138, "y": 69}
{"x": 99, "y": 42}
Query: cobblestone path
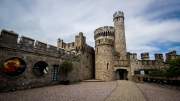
{"x": 126, "y": 91}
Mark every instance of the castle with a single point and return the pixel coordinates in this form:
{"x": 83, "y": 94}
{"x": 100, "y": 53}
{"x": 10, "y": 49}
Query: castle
{"x": 30, "y": 63}
{"x": 113, "y": 62}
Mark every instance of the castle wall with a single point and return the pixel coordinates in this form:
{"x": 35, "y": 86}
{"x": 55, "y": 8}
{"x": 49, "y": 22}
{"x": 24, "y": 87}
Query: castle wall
{"x": 145, "y": 64}
{"x": 31, "y": 52}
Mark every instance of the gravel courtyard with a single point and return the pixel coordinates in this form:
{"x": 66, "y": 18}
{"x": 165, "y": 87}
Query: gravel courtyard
{"x": 87, "y": 91}
{"x": 83, "y": 91}
{"x": 155, "y": 93}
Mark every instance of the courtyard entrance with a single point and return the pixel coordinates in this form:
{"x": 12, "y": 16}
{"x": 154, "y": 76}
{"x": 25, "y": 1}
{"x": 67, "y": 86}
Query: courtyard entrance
{"x": 122, "y": 74}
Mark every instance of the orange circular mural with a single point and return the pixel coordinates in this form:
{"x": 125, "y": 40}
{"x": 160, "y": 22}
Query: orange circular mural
{"x": 13, "y": 67}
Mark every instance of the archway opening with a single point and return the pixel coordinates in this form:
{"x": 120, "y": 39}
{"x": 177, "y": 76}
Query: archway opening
{"x": 123, "y": 74}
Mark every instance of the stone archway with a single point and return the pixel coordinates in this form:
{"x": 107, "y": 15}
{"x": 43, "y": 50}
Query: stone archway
{"x": 122, "y": 74}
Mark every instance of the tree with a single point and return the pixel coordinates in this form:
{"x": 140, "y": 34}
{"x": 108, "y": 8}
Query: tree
{"x": 174, "y": 68}
{"x": 66, "y": 66}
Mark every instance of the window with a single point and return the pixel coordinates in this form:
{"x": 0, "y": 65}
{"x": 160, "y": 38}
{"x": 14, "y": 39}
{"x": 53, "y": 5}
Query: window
{"x": 54, "y": 73}
{"x": 136, "y": 72}
{"x": 107, "y": 66}
{"x": 40, "y": 68}
{"x": 97, "y": 50}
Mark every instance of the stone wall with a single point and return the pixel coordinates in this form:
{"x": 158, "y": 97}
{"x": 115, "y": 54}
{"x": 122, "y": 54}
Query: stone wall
{"x": 104, "y": 55}
{"x": 31, "y": 52}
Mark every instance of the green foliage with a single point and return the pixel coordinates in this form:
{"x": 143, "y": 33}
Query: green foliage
{"x": 66, "y": 66}
{"x": 172, "y": 71}
{"x": 174, "y": 68}
{"x": 157, "y": 73}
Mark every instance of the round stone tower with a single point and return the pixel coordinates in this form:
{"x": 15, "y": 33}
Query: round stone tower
{"x": 104, "y": 51}
{"x": 120, "y": 40}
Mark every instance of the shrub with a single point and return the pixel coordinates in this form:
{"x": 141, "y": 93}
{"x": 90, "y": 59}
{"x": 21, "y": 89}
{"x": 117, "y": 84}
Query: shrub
{"x": 174, "y": 68}
{"x": 66, "y": 66}
{"x": 157, "y": 73}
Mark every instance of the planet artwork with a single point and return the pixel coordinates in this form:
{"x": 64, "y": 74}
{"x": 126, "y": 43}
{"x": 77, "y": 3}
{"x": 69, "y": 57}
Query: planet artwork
{"x": 13, "y": 67}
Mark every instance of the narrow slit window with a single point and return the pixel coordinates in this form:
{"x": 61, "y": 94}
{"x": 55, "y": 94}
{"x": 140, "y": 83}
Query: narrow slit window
{"x": 97, "y": 50}
{"x": 107, "y": 66}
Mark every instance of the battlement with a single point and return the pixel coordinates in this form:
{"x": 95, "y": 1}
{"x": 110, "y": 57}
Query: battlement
{"x": 26, "y": 41}
{"x": 118, "y": 14}
{"x": 104, "y": 31}
{"x": 131, "y": 55}
{"x": 158, "y": 56}
{"x": 145, "y": 56}
{"x": 104, "y": 41}
{"x": 9, "y": 40}
{"x": 171, "y": 55}
{"x": 8, "y": 37}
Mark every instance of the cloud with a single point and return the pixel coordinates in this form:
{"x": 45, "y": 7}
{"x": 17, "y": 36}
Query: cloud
{"x": 150, "y": 25}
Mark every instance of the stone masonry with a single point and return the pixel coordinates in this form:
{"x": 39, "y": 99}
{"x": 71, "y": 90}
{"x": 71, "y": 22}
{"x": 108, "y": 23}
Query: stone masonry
{"x": 30, "y": 63}
{"x": 113, "y": 62}
{"x": 31, "y": 52}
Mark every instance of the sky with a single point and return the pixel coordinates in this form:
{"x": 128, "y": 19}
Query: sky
{"x": 150, "y": 25}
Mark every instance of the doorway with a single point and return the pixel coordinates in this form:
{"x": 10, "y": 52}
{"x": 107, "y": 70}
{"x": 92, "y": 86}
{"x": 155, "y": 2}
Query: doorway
{"x": 122, "y": 74}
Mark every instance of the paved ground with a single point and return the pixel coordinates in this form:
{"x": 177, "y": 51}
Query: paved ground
{"x": 155, "y": 93}
{"x": 126, "y": 91}
{"x": 95, "y": 91}
{"x": 83, "y": 91}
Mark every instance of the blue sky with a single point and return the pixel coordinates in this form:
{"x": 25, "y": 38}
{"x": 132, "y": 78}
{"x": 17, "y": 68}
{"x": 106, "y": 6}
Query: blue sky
{"x": 150, "y": 25}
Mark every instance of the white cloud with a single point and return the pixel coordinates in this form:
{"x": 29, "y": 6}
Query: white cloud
{"x": 49, "y": 20}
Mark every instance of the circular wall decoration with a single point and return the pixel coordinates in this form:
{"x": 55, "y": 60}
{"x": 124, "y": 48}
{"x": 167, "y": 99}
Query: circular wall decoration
{"x": 13, "y": 67}
{"x": 40, "y": 68}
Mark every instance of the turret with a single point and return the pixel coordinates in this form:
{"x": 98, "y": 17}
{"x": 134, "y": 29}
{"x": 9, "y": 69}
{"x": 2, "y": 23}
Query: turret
{"x": 120, "y": 40}
{"x": 80, "y": 42}
{"x": 145, "y": 56}
{"x": 59, "y": 43}
{"x": 104, "y": 53}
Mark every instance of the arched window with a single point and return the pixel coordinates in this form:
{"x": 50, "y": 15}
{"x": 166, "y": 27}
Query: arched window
{"x": 40, "y": 68}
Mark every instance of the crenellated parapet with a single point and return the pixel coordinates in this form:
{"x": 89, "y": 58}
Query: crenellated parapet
{"x": 132, "y": 55}
{"x": 145, "y": 56}
{"x": 158, "y": 57}
{"x": 41, "y": 45}
{"x": 171, "y": 55}
{"x": 118, "y": 16}
{"x": 80, "y": 40}
{"x": 8, "y": 37}
{"x": 104, "y": 41}
{"x": 9, "y": 41}
{"x": 26, "y": 41}
{"x": 105, "y": 31}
